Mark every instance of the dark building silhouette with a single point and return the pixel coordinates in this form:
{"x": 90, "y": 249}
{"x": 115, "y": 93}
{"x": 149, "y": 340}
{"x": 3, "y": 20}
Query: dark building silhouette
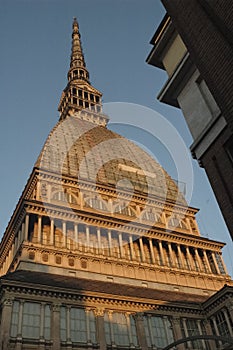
{"x": 194, "y": 44}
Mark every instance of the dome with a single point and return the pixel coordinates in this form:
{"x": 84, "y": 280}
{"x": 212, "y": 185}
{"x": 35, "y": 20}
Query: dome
{"x": 88, "y": 152}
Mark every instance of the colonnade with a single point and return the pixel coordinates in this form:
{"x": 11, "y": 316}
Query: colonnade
{"x": 116, "y": 244}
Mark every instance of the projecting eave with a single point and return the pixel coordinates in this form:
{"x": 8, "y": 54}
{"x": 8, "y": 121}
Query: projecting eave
{"x": 160, "y": 39}
{"x": 177, "y": 82}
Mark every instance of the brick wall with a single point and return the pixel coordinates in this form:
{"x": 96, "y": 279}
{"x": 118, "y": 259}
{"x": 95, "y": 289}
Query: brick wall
{"x": 206, "y": 28}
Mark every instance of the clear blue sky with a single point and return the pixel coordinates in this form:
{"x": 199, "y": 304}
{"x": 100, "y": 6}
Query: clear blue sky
{"x": 35, "y": 41}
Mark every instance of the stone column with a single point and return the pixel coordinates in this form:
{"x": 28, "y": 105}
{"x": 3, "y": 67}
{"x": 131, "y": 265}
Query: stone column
{"x": 152, "y": 251}
{"x": 18, "y": 345}
{"x": 52, "y": 232}
{"x": 216, "y": 328}
{"x": 39, "y": 229}
{"x": 64, "y": 236}
{"x": 223, "y": 263}
{"x": 99, "y": 314}
{"x": 26, "y": 227}
{"x": 192, "y": 267}
{"x": 141, "y": 331}
{"x": 207, "y": 261}
{"x": 99, "y": 240}
{"x": 22, "y": 233}
{"x": 87, "y": 310}
{"x": 42, "y": 307}
{"x": 171, "y": 254}
{"x": 68, "y": 337}
{"x": 75, "y": 236}
{"x": 127, "y": 315}
{"x": 110, "y": 242}
{"x": 5, "y": 323}
{"x": 121, "y": 245}
{"x": 161, "y": 253}
{"x": 208, "y": 330}
{"x": 189, "y": 345}
{"x": 42, "y": 315}
{"x": 198, "y": 259}
{"x": 165, "y": 323}
{"x": 150, "y": 331}
{"x": 142, "y": 249}
{"x": 180, "y": 256}
{"x": 111, "y": 328}
{"x": 55, "y": 330}
{"x": 201, "y": 333}
{"x": 131, "y": 247}
{"x": 215, "y": 262}
{"x": 16, "y": 244}
{"x": 177, "y": 331}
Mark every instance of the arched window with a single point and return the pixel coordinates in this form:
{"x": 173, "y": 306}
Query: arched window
{"x": 124, "y": 209}
{"x": 64, "y": 197}
{"x": 150, "y": 215}
{"x": 96, "y": 203}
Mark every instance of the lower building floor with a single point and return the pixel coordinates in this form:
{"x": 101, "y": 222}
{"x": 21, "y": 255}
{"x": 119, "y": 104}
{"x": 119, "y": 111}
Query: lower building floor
{"x": 52, "y": 312}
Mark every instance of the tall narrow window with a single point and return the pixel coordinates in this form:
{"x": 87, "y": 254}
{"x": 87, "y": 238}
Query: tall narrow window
{"x": 31, "y": 320}
{"x": 15, "y": 319}
{"x": 191, "y": 330}
{"x": 82, "y": 325}
{"x": 47, "y": 322}
{"x": 158, "y": 331}
{"x": 122, "y": 330}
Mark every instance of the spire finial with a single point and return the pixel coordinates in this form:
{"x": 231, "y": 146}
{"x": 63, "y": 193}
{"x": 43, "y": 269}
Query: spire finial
{"x": 79, "y": 94}
{"x": 77, "y": 61}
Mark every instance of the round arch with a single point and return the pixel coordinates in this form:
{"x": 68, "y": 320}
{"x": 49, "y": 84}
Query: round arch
{"x": 200, "y": 337}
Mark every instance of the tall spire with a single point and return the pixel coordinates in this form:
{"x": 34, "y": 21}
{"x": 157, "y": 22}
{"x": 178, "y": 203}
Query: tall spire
{"x": 77, "y": 62}
{"x": 79, "y": 95}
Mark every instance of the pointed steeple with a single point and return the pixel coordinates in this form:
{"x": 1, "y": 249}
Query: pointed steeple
{"x": 79, "y": 95}
{"x": 77, "y": 62}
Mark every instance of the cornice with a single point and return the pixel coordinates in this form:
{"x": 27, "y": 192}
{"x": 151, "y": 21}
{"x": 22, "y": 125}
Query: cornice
{"x": 23, "y": 290}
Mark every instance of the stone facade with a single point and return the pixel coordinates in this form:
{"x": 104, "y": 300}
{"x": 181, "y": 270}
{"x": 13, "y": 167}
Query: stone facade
{"x": 89, "y": 265}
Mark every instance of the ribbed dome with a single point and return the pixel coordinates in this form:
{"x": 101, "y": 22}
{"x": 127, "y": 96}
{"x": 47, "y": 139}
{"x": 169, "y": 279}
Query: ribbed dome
{"x": 85, "y": 151}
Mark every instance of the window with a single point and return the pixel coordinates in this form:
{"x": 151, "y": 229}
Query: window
{"x": 78, "y": 318}
{"x": 189, "y": 328}
{"x": 78, "y": 325}
{"x": 31, "y": 255}
{"x": 31, "y": 320}
{"x": 64, "y": 196}
{"x": 222, "y": 323}
{"x": 123, "y": 329}
{"x": 74, "y": 91}
{"x": 85, "y": 95}
{"x": 15, "y": 319}
{"x": 158, "y": 331}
